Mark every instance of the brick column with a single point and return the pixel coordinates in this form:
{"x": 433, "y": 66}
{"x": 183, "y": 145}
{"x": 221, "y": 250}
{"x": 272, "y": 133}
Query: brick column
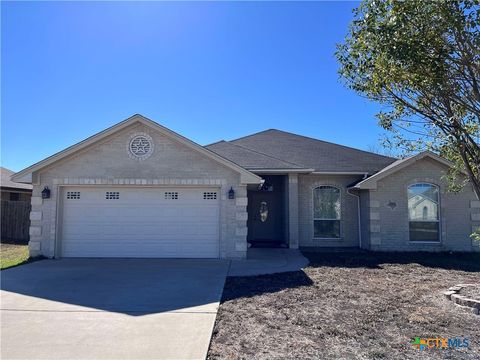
{"x": 375, "y": 227}
{"x": 475, "y": 220}
{"x": 35, "y": 231}
{"x": 293, "y": 211}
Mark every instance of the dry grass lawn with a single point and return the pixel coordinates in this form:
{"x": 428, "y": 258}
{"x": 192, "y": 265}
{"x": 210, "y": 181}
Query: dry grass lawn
{"x": 348, "y": 306}
{"x": 12, "y": 254}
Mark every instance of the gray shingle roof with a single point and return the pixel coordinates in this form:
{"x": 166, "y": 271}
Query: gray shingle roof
{"x": 249, "y": 159}
{"x": 301, "y": 151}
{"x": 6, "y": 182}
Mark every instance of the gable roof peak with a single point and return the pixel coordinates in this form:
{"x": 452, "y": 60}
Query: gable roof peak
{"x": 26, "y": 175}
{"x": 371, "y": 182}
{"x": 254, "y": 134}
{"x": 215, "y": 143}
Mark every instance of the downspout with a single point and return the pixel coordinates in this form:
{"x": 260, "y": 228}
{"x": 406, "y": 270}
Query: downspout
{"x": 359, "y": 214}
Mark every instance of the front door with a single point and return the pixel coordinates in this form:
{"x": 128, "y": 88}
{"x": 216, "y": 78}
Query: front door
{"x": 266, "y": 214}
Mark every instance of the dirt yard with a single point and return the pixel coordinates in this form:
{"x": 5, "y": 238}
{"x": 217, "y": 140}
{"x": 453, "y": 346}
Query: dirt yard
{"x": 472, "y": 292}
{"x": 349, "y": 306}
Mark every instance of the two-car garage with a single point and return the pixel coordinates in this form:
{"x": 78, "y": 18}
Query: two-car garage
{"x": 137, "y": 190}
{"x": 177, "y": 222}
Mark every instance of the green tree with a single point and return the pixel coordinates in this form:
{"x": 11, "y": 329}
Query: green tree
{"x": 421, "y": 60}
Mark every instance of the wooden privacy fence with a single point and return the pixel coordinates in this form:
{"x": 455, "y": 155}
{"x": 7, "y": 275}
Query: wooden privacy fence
{"x": 15, "y": 217}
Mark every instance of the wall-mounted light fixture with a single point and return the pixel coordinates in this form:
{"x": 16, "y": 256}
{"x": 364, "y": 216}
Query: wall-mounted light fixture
{"x": 46, "y": 193}
{"x": 231, "y": 193}
{"x": 266, "y": 186}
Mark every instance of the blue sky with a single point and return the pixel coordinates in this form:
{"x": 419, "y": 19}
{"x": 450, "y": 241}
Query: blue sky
{"x": 209, "y": 71}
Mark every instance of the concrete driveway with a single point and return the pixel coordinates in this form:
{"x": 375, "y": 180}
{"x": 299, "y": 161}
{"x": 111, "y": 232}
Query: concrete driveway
{"x": 110, "y": 308}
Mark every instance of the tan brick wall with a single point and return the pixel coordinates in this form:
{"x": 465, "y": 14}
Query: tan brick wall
{"x": 108, "y": 162}
{"x": 349, "y": 216}
{"x": 293, "y": 210}
{"x": 389, "y": 227}
{"x": 365, "y": 218}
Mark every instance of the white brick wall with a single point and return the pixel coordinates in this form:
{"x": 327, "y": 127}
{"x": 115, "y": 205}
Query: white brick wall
{"x": 170, "y": 164}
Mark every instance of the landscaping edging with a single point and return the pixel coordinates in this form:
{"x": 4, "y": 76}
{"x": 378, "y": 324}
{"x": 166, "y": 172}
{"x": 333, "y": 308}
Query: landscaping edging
{"x": 452, "y": 294}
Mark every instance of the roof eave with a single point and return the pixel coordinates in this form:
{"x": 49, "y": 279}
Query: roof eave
{"x": 15, "y": 189}
{"x": 279, "y": 171}
{"x": 371, "y": 182}
{"x": 340, "y": 173}
{"x": 24, "y": 178}
{"x": 25, "y": 175}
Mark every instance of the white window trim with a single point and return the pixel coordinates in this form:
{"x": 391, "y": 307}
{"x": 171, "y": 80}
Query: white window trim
{"x": 423, "y": 220}
{"x": 439, "y": 241}
{"x": 326, "y": 219}
{"x": 424, "y": 242}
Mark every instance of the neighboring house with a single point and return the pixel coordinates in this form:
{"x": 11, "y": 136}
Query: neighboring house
{"x": 138, "y": 189}
{"x": 13, "y": 191}
{"x": 15, "y": 207}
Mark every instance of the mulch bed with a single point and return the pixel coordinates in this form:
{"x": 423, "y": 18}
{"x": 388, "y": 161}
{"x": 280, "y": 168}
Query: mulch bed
{"x": 348, "y": 306}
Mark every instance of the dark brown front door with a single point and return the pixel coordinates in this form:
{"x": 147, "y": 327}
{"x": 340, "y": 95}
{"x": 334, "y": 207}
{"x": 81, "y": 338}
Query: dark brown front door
{"x": 266, "y": 215}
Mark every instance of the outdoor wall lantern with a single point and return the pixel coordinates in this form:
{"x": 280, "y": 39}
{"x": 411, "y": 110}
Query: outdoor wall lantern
{"x": 231, "y": 193}
{"x": 46, "y": 193}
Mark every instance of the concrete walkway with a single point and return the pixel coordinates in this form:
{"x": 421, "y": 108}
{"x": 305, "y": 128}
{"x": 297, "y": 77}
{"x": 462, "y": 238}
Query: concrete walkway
{"x": 268, "y": 261}
{"x": 110, "y": 308}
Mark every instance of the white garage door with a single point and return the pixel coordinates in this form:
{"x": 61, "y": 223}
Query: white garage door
{"x": 140, "y": 222}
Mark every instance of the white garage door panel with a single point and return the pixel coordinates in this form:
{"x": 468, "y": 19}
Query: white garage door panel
{"x": 141, "y": 223}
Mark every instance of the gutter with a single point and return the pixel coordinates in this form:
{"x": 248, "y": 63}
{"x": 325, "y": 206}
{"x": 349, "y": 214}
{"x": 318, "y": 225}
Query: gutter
{"x": 304, "y": 171}
{"x": 280, "y": 171}
{"x": 340, "y": 173}
{"x": 359, "y": 214}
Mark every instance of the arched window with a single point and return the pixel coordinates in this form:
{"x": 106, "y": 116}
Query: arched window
{"x": 326, "y": 212}
{"x": 423, "y": 212}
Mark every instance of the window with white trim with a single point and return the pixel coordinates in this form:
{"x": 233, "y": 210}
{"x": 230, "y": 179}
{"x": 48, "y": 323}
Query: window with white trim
{"x": 112, "y": 195}
{"x": 73, "y": 195}
{"x": 209, "y": 195}
{"x": 423, "y": 212}
{"x": 326, "y": 212}
{"x": 171, "y": 195}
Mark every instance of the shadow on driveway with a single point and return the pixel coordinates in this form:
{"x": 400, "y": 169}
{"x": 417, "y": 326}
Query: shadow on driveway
{"x": 130, "y": 286}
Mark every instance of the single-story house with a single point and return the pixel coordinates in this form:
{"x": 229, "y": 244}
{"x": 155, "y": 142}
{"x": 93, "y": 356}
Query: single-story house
{"x": 12, "y": 191}
{"x": 138, "y": 189}
{"x": 15, "y": 208}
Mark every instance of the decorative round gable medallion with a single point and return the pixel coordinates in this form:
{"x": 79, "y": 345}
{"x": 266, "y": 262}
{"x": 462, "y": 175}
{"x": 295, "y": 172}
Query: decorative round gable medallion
{"x": 140, "y": 146}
